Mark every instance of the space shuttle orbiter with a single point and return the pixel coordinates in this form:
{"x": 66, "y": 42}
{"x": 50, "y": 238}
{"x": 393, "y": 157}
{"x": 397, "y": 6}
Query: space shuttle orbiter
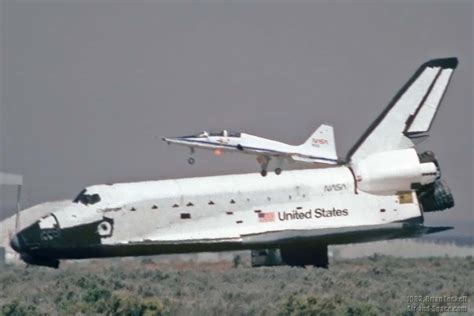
{"x": 382, "y": 192}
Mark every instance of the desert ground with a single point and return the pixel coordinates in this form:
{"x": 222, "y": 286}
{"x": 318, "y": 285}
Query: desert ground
{"x": 374, "y": 285}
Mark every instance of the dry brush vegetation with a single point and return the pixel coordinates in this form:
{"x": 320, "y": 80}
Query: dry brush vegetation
{"x": 369, "y": 286}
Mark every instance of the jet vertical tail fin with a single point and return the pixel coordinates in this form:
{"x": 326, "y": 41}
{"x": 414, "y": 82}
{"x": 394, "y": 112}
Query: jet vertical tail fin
{"x": 320, "y": 146}
{"x": 408, "y": 117}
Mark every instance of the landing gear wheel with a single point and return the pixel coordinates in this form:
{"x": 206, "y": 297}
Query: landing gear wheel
{"x": 263, "y": 173}
{"x": 191, "y": 160}
{"x": 278, "y": 171}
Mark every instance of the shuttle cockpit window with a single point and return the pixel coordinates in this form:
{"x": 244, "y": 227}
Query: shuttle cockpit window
{"x": 87, "y": 199}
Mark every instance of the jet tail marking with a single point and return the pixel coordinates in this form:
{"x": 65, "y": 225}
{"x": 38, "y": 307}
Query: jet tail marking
{"x": 321, "y": 144}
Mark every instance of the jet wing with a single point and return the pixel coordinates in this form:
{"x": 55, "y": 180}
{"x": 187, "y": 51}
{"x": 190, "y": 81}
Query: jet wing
{"x": 322, "y": 160}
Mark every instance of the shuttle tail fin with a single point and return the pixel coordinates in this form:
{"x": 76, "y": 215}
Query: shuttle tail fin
{"x": 408, "y": 117}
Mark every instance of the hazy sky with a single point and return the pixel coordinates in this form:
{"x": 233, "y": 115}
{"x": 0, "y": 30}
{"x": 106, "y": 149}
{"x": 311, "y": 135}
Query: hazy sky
{"x": 89, "y": 88}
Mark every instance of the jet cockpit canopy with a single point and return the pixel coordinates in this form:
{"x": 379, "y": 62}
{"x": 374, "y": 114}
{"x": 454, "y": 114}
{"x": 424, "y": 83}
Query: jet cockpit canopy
{"x": 223, "y": 133}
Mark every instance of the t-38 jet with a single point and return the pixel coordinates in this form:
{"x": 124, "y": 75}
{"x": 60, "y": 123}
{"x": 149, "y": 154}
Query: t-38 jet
{"x": 318, "y": 148}
{"x": 383, "y": 191}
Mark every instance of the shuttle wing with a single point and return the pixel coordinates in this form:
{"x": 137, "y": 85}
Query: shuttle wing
{"x": 409, "y": 115}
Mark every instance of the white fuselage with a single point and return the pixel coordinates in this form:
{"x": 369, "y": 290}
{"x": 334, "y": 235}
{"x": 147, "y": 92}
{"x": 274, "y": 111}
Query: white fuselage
{"x": 250, "y": 144}
{"x": 226, "y": 208}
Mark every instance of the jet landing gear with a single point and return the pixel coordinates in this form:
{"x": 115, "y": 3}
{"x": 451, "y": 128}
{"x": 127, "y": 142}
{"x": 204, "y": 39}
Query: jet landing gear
{"x": 264, "y": 161}
{"x": 191, "y": 160}
{"x": 264, "y": 172}
{"x": 277, "y": 172}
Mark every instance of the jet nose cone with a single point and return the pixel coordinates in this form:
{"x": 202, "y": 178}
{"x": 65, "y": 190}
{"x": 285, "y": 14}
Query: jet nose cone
{"x": 15, "y": 243}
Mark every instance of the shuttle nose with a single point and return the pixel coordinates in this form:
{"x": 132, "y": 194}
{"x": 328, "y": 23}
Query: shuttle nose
{"x": 15, "y": 244}
{"x": 23, "y": 241}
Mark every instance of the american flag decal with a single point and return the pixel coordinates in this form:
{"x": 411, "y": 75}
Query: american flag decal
{"x": 266, "y": 217}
